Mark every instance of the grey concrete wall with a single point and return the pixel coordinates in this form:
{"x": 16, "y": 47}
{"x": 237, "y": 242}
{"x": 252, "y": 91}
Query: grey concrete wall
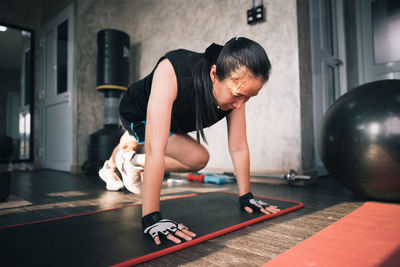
{"x": 91, "y": 17}
{"x": 157, "y": 26}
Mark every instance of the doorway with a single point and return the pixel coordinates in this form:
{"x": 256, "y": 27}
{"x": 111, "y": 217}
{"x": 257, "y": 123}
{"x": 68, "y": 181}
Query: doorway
{"x": 16, "y": 93}
{"x": 57, "y": 93}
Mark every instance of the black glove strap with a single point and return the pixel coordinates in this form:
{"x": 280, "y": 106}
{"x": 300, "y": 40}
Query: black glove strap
{"x": 245, "y": 198}
{"x": 151, "y": 219}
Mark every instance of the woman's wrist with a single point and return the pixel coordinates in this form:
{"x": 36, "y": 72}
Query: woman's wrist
{"x": 150, "y": 219}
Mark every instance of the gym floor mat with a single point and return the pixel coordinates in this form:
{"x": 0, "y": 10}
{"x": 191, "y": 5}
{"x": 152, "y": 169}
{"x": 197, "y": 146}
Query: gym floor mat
{"x": 369, "y": 236}
{"x": 114, "y": 237}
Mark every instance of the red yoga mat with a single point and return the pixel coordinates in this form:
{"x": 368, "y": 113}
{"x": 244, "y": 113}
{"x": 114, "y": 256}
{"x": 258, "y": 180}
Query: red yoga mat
{"x": 369, "y": 236}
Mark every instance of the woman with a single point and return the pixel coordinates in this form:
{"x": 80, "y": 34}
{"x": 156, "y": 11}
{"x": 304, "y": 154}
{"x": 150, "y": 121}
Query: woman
{"x": 187, "y": 91}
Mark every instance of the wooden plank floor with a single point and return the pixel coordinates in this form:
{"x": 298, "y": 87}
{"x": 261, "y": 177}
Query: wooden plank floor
{"x": 56, "y": 194}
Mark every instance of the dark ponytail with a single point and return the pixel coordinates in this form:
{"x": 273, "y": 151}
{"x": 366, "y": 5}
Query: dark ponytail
{"x": 237, "y": 52}
{"x": 205, "y": 101}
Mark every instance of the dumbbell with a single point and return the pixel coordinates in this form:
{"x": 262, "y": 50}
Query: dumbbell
{"x": 210, "y": 178}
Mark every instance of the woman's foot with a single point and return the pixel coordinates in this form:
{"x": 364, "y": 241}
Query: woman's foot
{"x": 110, "y": 177}
{"x": 131, "y": 174}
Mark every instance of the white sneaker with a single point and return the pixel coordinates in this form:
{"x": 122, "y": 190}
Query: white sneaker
{"x": 110, "y": 177}
{"x": 131, "y": 175}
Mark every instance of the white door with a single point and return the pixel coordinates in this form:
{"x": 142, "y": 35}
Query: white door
{"x": 379, "y": 24}
{"x": 57, "y": 41}
{"x": 328, "y": 61}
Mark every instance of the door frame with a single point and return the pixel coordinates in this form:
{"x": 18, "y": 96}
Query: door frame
{"x": 66, "y": 14}
{"x": 319, "y": 61}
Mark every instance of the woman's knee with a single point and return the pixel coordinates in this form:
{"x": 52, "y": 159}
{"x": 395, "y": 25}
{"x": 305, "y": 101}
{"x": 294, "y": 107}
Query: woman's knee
{"x": 187, "y": 151}
{"x": 200, "y": 159}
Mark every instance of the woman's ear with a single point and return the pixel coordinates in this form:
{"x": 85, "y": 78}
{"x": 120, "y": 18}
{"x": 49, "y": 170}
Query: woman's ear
{"x": 213, "y": 73}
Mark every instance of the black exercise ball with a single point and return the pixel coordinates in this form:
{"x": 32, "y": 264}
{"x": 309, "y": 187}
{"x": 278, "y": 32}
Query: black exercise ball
{"x": 359, "y": 140}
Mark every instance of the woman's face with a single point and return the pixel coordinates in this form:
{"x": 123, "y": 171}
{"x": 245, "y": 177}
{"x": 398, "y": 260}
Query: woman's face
{"x": 234, "y": 91}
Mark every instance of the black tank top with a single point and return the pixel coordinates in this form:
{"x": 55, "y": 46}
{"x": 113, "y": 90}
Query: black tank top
{"x": 133, "y": 104}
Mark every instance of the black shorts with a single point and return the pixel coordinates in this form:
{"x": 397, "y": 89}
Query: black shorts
{"x": 137, "y": 130}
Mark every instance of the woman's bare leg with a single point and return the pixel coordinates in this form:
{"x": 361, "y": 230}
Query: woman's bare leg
{"x": 126, "y": 142}
{"x": 184, "y": 154}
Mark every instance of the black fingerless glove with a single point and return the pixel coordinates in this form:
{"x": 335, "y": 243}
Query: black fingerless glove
{"x": 154, "y": 225}
{"x": 248, "y": 200}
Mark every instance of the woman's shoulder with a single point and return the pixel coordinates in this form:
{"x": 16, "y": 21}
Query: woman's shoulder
{"x": 183, "y": 60}
{"x": 186, "y": 54}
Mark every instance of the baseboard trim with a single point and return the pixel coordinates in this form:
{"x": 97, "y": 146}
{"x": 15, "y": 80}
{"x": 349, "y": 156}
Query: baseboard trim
{"x": 76, "y": 169}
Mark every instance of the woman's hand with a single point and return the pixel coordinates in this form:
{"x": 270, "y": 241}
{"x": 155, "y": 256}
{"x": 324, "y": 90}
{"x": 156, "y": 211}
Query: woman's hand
{"x": 266, "y": 210}
{"x": 172, "y": 233}
{"x": 249, "y": 204}
{"x": 155, "y": 226}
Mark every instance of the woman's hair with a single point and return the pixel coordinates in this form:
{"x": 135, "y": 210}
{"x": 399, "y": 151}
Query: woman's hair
{"x": 240, "y": 51}
{"x": 237, "y": 52}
